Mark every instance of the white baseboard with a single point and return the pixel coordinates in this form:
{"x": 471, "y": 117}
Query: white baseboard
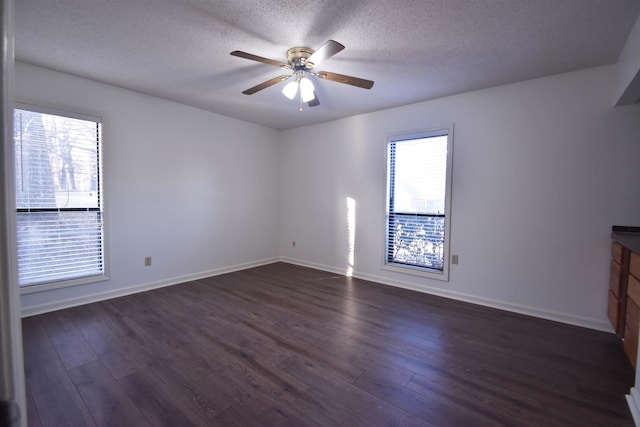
{"x": 314, "y": 265}
{"x": 633, "y": 400}
{"x": 601, "y": 325}
{"x": 586, "y": 322}
{"x": 116, "y": 293}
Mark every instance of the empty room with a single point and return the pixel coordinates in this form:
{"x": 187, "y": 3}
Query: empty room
{"x": 333, "y": 213}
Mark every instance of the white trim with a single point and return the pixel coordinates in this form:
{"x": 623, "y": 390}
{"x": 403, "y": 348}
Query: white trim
{"x": 53, "y": 283}
{"x": 33, "y": 289}
{"x": 585, "y": 322}
{"x": 444, "y": 130}
{"x": 633, "y": 400}
{"x": 57, "y": 112}
{"x": 414, "y": 270}
{"x": 12, "y": 379}
{"x": 116, "y": 293}
{"x": 327, "y": 268}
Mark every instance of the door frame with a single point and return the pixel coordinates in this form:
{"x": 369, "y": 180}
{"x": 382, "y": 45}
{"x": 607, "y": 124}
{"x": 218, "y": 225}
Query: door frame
{"x": 12, "y": 382}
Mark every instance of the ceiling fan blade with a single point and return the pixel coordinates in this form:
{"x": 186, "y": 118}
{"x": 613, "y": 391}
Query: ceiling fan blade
{"x": 349, "y": 80}
{"x": 265, "y": 85}
{"x": 325, "y": 51}
{"x": 253, "y": 57}
{"x": 315, "y": 101}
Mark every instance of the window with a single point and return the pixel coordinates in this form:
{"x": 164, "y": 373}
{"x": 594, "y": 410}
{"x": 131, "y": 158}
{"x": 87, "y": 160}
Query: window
{"x": 60, "y": 208}
{"x": 418, "y": 202}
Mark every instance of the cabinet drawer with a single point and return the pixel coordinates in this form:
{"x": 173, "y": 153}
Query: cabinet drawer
{"x": 615, "y": 278}
{"x": 617, "y": 252}
{"x": 631, "y": 345}
{"x": 634, "y": 265}
{"x": 633, "y": 289}
{"x": 613, "y": 311}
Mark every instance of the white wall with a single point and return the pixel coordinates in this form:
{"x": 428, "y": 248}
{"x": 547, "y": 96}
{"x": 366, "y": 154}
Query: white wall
{"x": 627, "y": 90}
{"x": 194, "y": 190}
{"x": 541, "y": 171}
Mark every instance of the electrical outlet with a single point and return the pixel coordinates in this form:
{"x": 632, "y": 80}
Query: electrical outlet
{"x": 147, "y": 261}
{"x": 454, "y": 259}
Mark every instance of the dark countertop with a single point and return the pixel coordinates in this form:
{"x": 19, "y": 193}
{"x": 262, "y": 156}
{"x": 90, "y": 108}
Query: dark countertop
{"x": 629, "y": 237}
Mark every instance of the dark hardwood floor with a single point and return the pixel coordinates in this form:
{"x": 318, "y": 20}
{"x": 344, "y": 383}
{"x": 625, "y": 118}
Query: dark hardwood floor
{"x": 287, "y": 345}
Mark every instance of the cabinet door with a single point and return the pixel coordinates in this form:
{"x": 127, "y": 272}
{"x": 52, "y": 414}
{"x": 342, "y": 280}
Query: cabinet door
{"x": 633, "y": 289}
{"x": 617, "y": 252}
{"x": 631, "y": 346}
{"x": 634, "y": 265}
{"x": 619, "y": 272}
{"x": 615, "y": 278}
{"x": 613, "y": 312}
{"x": 631, "y": 331}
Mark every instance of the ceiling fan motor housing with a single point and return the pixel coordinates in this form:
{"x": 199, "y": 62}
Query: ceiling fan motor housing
{"x": 297, "y": 57}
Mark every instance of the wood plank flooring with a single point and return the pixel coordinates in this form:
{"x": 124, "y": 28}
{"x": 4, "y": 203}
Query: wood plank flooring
{"x": 287, "y": 345}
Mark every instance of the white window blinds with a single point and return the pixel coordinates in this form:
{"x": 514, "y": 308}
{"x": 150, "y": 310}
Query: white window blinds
{"x": 417, "y": 200}
{"x": 60, "y": 233}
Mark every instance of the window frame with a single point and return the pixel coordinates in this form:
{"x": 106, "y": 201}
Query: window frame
{"x": 64, "y": 283}
{"x": 426, "y": 272}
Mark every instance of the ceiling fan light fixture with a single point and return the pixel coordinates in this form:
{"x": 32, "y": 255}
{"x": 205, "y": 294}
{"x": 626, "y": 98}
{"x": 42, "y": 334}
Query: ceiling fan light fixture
{"x": 306, "y": 90}
{"x": 290, "y": 89}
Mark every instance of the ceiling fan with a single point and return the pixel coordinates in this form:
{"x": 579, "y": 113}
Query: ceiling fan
{"x": 301, "y": 61}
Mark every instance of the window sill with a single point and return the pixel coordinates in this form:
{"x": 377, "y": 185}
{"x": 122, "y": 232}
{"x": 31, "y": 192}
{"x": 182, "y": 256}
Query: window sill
{"x": 418, "y": 271}
{"x": 32, "y": 289}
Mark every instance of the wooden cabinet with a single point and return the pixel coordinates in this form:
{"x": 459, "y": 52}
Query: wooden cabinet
{"x": 632, "y": 323}
{"x": 634, "y": 265}
{"x": 623, "y": 306}
{"x": 624, "y": 298}
{"x": 633, "y": 288}
{"x": 618, "y": 287}
{"x": 613, "y": 311}
{"x": 631, "y": 345}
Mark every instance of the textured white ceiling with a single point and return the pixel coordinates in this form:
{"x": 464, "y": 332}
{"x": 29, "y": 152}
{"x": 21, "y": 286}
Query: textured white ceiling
{"x": 414, "y": 50}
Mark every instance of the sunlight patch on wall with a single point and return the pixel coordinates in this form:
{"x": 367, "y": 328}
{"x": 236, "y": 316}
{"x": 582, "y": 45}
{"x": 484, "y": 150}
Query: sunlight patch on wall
{"x": 351, "y": 234}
